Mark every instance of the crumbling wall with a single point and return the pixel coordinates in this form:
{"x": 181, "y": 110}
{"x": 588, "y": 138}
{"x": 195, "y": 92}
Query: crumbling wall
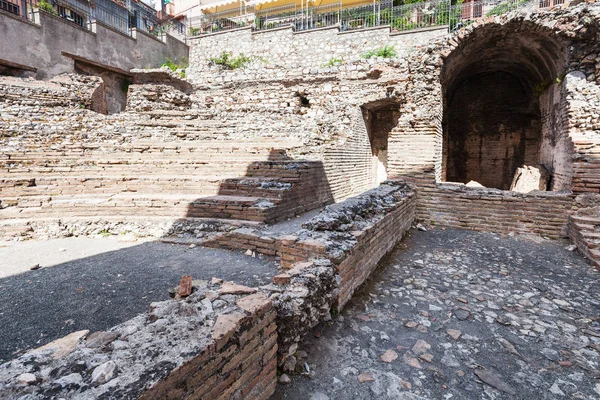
{"x": 354, "y": 234}
{"x": 220, "y": 342}
{"x": 304, "y": 296}
{"x": 569, "y": 125}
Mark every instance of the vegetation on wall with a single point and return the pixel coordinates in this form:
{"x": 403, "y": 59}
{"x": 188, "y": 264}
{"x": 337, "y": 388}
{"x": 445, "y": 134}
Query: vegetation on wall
{"x": 506, "y": 6}
{"x": 173, "y": 66}
{"x": 228, "y": 61}
{"x": 45, "y": 6}
{"x": 386, "y": 51}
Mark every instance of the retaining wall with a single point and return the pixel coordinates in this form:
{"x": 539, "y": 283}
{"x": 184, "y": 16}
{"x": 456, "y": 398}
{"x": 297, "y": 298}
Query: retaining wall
{"x": 42, "y": 45}
{"x": 351, "y": 238}
{"x": 492, "y": 210}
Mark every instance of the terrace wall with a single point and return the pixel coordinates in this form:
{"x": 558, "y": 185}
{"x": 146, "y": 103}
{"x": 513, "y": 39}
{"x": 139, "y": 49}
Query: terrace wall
{"x": 42, "y": 45}
{"x": 284, "y": 53}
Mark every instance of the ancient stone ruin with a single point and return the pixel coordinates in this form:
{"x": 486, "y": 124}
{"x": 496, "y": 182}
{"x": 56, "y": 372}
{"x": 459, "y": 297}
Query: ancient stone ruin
{"x": 494, "y": 127}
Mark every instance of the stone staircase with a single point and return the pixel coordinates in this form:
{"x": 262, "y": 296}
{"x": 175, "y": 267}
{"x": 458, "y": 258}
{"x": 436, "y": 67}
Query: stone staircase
{"x": 188, "y": 179}
{"x": 584, "y": 232}
{"x": 61, "y": 162}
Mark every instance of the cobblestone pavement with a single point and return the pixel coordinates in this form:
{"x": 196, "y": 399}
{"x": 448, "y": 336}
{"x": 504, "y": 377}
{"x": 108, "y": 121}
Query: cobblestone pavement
{"x": 462, "y": 315}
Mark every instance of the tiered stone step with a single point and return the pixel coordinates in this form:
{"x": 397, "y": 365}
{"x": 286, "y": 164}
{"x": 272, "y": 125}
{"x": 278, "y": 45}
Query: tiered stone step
{"x": 584, "y": 231}
{"x": 234, "y": 207}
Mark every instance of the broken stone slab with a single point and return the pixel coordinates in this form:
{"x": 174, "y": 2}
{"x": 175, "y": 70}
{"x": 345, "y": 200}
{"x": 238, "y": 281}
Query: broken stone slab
{"x": 366, "y": 377}
{"x": 62, "y": 347}
{"x": 530, "y": 178}
{"x": 389, "y": 356}
{"x": 225, "y": 326}
{"x": 474, "y": 184}
{"x": 103, "y": 373}
{"x": 421, "y": 347}
{"x": 282, "y": 279}
{"x": 494, "y": 380}
{"x": 232, "y": 288}
{"x": 98, "y": 340}
{"x": 255, "y": 303}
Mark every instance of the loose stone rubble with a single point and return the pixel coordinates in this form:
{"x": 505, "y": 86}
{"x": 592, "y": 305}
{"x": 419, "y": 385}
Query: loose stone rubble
{"x": 470, "y": 316}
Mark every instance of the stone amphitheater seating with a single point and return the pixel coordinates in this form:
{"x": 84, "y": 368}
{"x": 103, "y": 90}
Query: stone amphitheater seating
{"x": 183, "y": 178}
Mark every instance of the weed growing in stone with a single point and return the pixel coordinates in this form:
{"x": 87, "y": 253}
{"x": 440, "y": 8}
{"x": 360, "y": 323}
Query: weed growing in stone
{"x": 386, "y": 51}
{"x": 228, "y": 61}
{"x": 333, "y": 61}
{"x": 173, "y": 66}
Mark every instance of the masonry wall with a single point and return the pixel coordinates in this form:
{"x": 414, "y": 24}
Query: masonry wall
{"x": 41, "y": 45}
{"x": 285, "y": 53}
{"x": 493, "y": 128}
{"x": 355, "y": 253}
{"x": 545, "y": 214}
{"x": 218, "y": 343}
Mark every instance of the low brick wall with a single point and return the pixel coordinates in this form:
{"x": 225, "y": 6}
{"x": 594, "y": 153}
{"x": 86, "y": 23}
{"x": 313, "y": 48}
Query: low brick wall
{"x": 492, "y": 210}
{"x": 354, "y": 234}
{"x": 247, "y": 239}
{"x": 219, "y": 343}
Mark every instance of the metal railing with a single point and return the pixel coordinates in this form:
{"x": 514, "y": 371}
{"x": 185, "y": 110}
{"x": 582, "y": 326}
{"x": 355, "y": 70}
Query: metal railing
{"x": 382, "y": 13}
{"x": 122, "y": 16}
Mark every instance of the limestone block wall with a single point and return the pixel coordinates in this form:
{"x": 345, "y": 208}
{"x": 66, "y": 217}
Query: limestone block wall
{"x": 284, "y": 53}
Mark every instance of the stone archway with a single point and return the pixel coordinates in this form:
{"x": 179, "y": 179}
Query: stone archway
{"x": 503, "y": 107}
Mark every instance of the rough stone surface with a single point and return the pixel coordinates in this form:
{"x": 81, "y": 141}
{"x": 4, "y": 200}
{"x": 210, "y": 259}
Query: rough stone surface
{"x": 550, "y": 296}
{"x": 153, "y": 353}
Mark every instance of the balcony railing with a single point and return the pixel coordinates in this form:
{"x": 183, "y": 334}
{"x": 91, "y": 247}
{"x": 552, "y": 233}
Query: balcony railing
{"x": 435, "y": 13}
{"x": 121, "y": 16}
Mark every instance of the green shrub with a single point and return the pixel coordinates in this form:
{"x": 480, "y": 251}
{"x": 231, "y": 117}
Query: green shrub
{"x": 173, "y": 66}
{"x": 194, "y": 31}
{"x": 386, "y": 51}
{"x": 333, "y": 61}
{"x": 45, "y": 6}
{"x": 505, "y": 7}
{"x": 228, "y": 61}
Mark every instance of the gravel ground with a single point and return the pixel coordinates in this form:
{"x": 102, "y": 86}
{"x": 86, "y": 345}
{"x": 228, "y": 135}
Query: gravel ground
{"x": 462, "y": 315}
{"x": 101, "y": 290}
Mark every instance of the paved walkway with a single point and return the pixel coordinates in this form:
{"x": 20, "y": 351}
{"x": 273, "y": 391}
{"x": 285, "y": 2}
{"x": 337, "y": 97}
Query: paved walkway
{"x": 462, "y": 315}
{"x": 103, "y": 289}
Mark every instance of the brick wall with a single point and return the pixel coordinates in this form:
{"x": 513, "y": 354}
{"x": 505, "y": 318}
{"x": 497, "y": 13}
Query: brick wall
{"x": 583, "y": 232}
{"x": 491, "y": 131}
{"x": 179, "y": 349}
{"x": 355, "y": 253}
{"x": 488, "y": 210}
{"x": 242, "y": 363}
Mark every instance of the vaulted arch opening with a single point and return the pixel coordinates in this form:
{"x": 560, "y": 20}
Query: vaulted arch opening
{"x": 504, "y": 108}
